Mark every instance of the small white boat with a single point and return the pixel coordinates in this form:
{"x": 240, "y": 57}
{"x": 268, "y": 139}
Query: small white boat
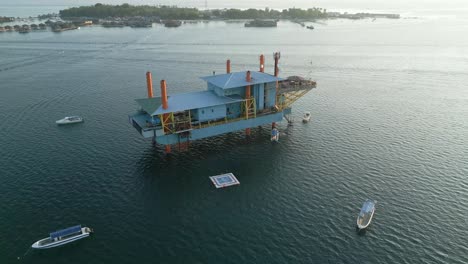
{"x": 275, "y": 135}
{"x": 306, "y": 117}
{"x": 365, "y": 215}
{"x": 62, "y": 237}
{"x": 69, "y": 120}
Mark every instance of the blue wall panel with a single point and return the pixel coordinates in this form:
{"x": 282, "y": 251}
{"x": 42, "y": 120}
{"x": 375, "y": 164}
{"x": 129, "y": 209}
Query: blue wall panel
{"x": 194, "y": 114}
{"x": 233, "y": 110}
{"x": 270, "y": 96}
{"x": 239, "y": 91}
{"x": 210, "y": 113}
{"x": 259, "y": 93}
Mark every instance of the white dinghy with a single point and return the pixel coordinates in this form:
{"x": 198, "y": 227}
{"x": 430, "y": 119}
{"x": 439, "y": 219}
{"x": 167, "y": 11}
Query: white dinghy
{"x": 365, "y": 215}
{"x": 306, "y": 117}
{"x": 69, "y": 120}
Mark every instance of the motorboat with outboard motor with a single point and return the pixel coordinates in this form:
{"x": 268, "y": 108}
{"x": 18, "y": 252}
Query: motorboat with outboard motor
{"x": 365, "y": 215}
{"x": 62, "y": 237}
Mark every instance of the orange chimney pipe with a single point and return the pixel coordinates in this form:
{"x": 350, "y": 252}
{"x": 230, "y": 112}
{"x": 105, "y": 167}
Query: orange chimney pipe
{"x": 164, "y": 94}
{"x": 149, "y": 84}
{"x": 262, "y": 63}
{"x": 277, "y": 56}
{"x": 228, "y": 66}
{"x": 247, "y": 88}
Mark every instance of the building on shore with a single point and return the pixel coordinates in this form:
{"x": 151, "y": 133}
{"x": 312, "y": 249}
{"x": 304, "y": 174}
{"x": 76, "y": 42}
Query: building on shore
{"x": 172, "y": 23}
{"x": 262, "y": 23}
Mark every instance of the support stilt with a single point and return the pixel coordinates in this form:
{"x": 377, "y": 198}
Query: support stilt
{"x": 247, "y": 96}
{"x": 289, "y": 119}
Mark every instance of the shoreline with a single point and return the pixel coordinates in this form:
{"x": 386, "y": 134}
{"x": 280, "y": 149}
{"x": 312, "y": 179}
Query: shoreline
{"x": 161, "y": 12}
{"x": 144, "y": 16}
{"x": 37, "y": 25}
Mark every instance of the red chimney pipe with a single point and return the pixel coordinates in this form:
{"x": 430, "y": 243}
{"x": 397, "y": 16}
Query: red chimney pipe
{"x": 164, "y": 105}
{"x": 164, "y": 94}
{"x": 277, "y": 56}
{"x": 247, "y": 88}
{"x": 262, "y": 63}
{"x": 228, "y": 66}
{"x": 149, "y": 84}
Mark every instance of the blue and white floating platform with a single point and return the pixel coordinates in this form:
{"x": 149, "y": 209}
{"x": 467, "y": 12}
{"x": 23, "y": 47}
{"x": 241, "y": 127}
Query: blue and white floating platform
{"x": 224, "y": 180}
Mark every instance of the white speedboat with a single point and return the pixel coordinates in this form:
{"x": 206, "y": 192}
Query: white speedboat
{"x": 365, "y": 215}
{"x": 306, "y": 117}
{"x": 62, "y": 237}
{"x": 69, "y": 120}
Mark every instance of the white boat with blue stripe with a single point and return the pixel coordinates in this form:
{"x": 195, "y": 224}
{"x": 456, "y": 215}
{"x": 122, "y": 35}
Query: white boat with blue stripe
{"x": 62, "y": 237}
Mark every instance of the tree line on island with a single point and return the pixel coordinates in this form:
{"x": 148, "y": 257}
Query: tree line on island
{"x": 174, "y": 12}
{"x": 6, "y": 19}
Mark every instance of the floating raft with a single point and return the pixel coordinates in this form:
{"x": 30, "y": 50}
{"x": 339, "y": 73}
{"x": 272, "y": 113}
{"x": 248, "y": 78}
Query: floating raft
{"x": 224, "y": 180}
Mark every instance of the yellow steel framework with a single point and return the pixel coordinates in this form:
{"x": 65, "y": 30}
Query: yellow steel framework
{"x": 167, "y": 122}
{"x": 285, "y": 100}
{"x": 171, "y": 124}
{"x": 249, "y": 108}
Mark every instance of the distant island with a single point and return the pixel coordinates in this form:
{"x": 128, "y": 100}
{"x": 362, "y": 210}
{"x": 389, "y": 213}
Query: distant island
{"x": 171, "y": 16}
{"x": 6, "y": 19}
{"x": 100, "y": 11}
{"x": 103, "y": 11}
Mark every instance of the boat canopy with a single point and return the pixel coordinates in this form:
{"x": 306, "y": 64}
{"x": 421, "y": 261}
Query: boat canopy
{"x": 367, "y": 207}
{"x": 66, "y": 231}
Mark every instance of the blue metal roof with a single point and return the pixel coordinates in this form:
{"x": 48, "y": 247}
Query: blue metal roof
{"x": 66, "y": 231}
{"x": 237, "y": 79}
{"x": 194, "y": 100}
{"x": 149, "y": 105}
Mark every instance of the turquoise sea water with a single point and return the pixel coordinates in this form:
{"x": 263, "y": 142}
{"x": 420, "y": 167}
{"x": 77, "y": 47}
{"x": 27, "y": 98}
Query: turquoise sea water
{"x": 389, "y": 122}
